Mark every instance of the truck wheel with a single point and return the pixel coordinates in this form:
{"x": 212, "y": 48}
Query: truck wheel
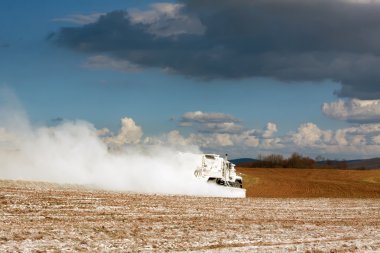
{"x": 238, "y": 184}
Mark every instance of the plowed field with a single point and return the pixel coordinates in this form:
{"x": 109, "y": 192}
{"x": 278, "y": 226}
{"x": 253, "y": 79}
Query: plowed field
{"x": 314, "y": 183}
{"x": 41, "y": 217}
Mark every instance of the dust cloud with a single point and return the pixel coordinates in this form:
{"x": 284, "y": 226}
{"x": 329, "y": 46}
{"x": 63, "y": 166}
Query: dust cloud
{"x": 72, "y": 152}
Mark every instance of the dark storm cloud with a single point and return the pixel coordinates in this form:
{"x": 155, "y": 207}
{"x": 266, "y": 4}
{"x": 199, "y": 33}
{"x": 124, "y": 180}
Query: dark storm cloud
{"x": 289, "y": 40}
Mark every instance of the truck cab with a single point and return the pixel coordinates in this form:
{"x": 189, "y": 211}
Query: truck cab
{"x": 216, "y": 169}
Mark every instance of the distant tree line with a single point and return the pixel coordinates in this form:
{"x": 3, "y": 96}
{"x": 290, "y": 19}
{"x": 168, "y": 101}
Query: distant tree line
{"x": 294, "y": 161}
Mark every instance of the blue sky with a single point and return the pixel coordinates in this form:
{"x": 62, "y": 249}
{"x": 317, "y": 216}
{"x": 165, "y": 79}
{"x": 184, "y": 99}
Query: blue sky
{"x": 56, "y": 78}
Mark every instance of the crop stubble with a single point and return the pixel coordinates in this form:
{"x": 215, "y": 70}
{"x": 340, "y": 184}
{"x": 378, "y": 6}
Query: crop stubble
{"x": 311, "y": 183}
{"x": 38, "y": 217}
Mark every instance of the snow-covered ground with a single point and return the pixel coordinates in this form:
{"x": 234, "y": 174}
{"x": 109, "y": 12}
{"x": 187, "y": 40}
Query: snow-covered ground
{"x": 47, "y": 217}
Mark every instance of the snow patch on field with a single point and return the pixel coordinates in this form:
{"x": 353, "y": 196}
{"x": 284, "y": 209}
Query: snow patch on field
{"x": 54, "y": 218}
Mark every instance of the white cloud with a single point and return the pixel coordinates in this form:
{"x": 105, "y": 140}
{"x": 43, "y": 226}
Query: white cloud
{"x": 223, "y": 140}
{"x": 271, "y": 128}
{"x": 129, "y": 133}
{"x": 271, "y": 143}
{"x": 103, "y": 132}
{"x": 261, "y": 138}
{"x": 106, "y": 62}
{"x": 376, "y": 139}
{"x": 307, "y": 135}
{"x": 309, "y": 139}
{"x": 201, "y": 140}
{"x": 365, "y": 134}
{"x": 223, "y": 127}
{"x": 364, "y": 129}
{"x": 185, "y": 124}
{"x": 352, "y": 142}
{"x": 80, "y": 19}
{"x": 355, "y": 141}
{"x": 228, "y": 138}
{"x": 246, "y": 139}
{"x": 204, "y": 117}
{"x": 353, "y": 110}
{"x": 363, "y": 1}
{"x": 327, "y": 136}
{"x": 175, "y": 138}
{"x": 340, "y": 137}
{"x": 155, "y": 13}
{"x": 358, "y": 140}
{"x": 167, "y": 19}
{"x": 210, "y": 122}
{"x": 251, "y": 141}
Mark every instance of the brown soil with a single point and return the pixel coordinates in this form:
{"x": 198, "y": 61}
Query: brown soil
{"x": 41, "y": 217}
{"x": 306, "y": 183}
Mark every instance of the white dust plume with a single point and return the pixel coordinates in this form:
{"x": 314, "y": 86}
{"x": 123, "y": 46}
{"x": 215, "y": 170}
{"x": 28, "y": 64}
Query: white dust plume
{"x": 72, "y": 152}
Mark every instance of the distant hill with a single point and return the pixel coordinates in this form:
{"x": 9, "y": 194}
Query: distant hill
{"x": 243, "y": 160}
{"x": 358, "y": 164}
{"x": 365, "y": 164}
{"x": 373, "y": 163}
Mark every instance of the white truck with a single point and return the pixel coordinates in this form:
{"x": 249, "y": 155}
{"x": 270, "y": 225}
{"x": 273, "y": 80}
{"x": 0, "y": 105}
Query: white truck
{"x": 216, "y": 169}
